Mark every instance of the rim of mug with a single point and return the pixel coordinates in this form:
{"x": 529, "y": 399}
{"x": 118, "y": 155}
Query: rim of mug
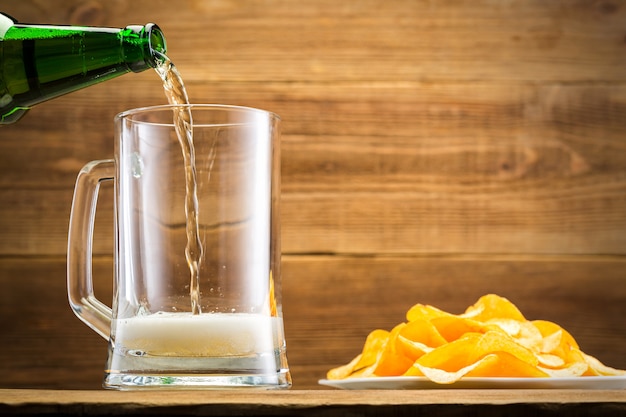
{"x": 126, "y": 113}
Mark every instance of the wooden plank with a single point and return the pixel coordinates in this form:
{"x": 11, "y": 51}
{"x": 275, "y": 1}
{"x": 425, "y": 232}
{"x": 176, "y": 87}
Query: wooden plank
{"x": 412, "y": 133}
{"x": 36, "y": 221}
{"x": 330, "y": 304}
{"x": 371, "y": 40}
{"x": 306, "y": 403}
{"x": 49, "y": 347}
{"x": 379, "y": 168}
{"x": 446, "y": 222}
{"x": 80, "y": 125}
{"x": 577, "y": 219}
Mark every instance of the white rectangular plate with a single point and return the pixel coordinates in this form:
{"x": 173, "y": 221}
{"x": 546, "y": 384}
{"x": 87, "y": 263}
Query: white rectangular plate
{"x": 417, "y": 382}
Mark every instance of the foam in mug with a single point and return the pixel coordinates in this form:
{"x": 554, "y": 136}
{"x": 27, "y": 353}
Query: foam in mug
{"x": 197, "y": 335}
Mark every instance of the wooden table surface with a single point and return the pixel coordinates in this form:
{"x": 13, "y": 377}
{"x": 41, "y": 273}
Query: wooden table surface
{"x": 435, "y": 403}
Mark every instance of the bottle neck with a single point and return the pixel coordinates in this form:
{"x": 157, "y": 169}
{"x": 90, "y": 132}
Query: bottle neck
{"x": 144, "y": 46}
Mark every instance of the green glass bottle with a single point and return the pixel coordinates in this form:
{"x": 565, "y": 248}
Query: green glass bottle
{"x": 40, "y": 62}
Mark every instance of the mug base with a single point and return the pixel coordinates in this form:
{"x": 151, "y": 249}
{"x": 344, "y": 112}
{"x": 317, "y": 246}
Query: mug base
{"x": 138, "y": 381}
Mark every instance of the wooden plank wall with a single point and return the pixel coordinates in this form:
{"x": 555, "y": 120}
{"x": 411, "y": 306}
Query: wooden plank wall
{"x": 433, "y": 151}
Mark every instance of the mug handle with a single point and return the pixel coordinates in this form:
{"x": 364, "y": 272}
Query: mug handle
{"x": 84, "y": 303}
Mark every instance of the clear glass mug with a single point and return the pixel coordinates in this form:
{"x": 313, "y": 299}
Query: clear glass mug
{"x": 231, "y": 334}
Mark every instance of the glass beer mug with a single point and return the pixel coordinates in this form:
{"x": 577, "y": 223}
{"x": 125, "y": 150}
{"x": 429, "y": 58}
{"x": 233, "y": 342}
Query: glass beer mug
{"x": 196, "y": 296}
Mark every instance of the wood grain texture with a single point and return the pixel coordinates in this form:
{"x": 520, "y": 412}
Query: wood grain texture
{"x": 438, "y": 403}
{"x": 433, "y": 151}
{"x": 520, "y": 169}
{"x": 412, "y": 127}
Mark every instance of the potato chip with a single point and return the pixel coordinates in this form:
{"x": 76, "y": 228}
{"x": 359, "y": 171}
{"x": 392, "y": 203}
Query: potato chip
{"x": 453, "y": 327}
{"x": 392, "y": 361}
{"x": 411, "y": 349}
{"x": 499, "y": 364}
{"x": 417, "y": 338}
{"x": 548, "y": 328}
{"x": 441, "y": 376}
{"x": 491, "y": 306}
{"x": 344, "y": 371}
{"x": 597, "y": 368}
{"x": 423, "y": 331}
{"x": 473, "y": 347}
{"x": 490, "y": 339}
{"x": 453, "y": 356}
{"x": 424, "y": 312}
{"x": 529, "y": 336}
{"x": 551, "y": 342}
{"x": 374, "y": 344}
{"x": 503, "y": 364}
{"x": 550, "y": 361}
{"x": 508, "y": 326}
{"x": 557, "y": 341}
{"x": 572, "y": 370}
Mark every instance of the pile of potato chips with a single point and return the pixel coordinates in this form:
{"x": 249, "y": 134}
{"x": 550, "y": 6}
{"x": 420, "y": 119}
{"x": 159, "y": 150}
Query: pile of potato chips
{"x": 491, "y": 339}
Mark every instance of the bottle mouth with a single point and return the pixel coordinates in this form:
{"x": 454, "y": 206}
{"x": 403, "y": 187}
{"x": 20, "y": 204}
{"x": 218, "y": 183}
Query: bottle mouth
{"x": 153, "y": 48}
{"x": 156, "y": 44}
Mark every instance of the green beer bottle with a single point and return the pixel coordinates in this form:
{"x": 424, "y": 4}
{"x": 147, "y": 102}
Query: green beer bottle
{"x": 40, "y": 62}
